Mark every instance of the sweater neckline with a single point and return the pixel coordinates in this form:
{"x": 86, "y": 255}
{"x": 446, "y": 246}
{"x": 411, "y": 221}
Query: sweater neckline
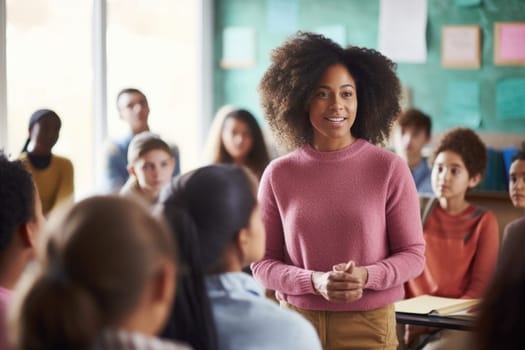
{"x": 466, "y": 212}
{"x": 349, "y": 150}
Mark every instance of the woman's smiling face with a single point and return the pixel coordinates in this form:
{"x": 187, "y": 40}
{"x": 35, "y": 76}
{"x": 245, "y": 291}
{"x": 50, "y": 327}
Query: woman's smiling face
{"x": 333, "y": 109}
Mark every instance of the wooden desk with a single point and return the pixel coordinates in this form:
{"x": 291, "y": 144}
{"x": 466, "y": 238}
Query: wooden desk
{"x": 435, "y": 321}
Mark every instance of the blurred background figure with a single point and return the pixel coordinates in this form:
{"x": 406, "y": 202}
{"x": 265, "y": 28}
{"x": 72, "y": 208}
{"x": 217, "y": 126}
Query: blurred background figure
{"x": 517, "y": 196}
{"x": 411, "y": 135}
{"x": 53, "y": 174}
{"x": 21, "y": 220}
{"x": 500, "y": 322}
{"x": 105, "y": 280}
{"x": 134, "y": 109}
{"x": 236, "y": 137}
{"x": 150, "y": 166}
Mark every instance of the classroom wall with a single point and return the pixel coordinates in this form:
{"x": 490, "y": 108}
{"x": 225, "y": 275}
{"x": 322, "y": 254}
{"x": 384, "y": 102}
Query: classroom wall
{"x": 427, "y": 82}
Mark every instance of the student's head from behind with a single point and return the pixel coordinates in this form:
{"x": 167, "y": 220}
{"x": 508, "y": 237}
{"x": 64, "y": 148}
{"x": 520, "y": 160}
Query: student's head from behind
{"x": 134, "y": 109}
{"x": 412, "y": 133}
{"x": 21, "y": 217}
{"x": 500, "y": 319}
{"x": 106, "y": 263}
{"x": 217, "y": 206}
{"x": 316, "y": 89}
{"x": 150, "y": 161}
{"x": 517, "y": 178}
{"x": 458, "y": 163}
{"x": 241, "y": 141}
{"x": 44, "y": 129}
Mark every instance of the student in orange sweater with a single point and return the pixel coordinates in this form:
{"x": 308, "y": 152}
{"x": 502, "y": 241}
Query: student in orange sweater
{"x": 462, "y": 239}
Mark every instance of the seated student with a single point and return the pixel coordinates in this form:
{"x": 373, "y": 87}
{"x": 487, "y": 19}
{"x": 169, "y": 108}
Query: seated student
{"x": 500, "y": 323}
{"x": 53, "y": 175}
{"x": 236, "y": 137}
{"x": 517, "y": 196}
{"x": 133, "y": 108}
{"x": 21, "y": 219}
{"x": 106, "y": 280}
{"x": 214, "y": 213}
{"x": 150, "y": 166}
{"x": 461, "y": 239}
{"x": 411, "y": 134}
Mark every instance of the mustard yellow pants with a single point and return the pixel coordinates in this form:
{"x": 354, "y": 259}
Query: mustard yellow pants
{"x": 370, "y": 330}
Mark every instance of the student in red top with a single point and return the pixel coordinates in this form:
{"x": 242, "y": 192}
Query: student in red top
{"x": 462, "y": 239}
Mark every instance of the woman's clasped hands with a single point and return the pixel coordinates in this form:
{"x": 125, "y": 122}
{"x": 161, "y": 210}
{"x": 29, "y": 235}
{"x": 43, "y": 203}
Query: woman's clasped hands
{"x": 344, "y": 284}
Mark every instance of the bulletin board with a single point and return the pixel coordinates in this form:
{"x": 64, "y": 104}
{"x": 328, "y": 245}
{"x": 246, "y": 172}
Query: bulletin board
{"x": 355, "y": 22}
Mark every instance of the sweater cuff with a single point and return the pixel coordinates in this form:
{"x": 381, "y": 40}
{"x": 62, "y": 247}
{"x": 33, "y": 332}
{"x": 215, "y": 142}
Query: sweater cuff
{"x": 374, "y": 277}
{"x": 305, "y": 282}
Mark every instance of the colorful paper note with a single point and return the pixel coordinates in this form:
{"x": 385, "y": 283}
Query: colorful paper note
{"x": 510, "y": 99}
{"x": 402, "y": 28}
{"x": 463, "y": 104}
{"x": 511, "y": 42}
{"x": 238, "y": 47}
{"x": 282, "y": 16}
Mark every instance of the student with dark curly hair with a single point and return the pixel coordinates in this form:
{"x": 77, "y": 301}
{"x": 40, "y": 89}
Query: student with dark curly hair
{"x": 462, "y": 239}
{"x": 341, "y": 214}
{"x": 236, "y": 137}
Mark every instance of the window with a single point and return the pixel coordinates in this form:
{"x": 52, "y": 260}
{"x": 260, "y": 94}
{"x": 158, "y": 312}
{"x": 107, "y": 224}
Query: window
{"x": 153, "y": 45}
{"x": 49, "y": 65}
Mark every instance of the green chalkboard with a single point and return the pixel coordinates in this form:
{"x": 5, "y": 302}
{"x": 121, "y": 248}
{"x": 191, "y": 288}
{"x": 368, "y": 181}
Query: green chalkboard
{"x": 428, "y": 82}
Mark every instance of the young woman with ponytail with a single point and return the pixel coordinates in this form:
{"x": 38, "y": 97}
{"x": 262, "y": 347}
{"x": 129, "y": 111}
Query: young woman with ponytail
{"x": 105, "y": 280}
{"x": 214, "y": 215}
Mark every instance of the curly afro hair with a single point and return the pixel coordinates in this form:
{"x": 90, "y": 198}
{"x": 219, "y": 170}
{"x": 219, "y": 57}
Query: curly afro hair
{"x": 468, "y": 145}
{"x": 287, "y": 87}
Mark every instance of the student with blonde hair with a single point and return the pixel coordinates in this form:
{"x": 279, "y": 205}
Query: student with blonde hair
{"x": 150, "y": 166}
{"x": 133, "y": 108}
{"x": 105, "y": 280}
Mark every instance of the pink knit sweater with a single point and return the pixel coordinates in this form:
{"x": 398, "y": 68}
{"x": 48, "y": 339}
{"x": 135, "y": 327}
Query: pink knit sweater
{"x": 323, "y": 208}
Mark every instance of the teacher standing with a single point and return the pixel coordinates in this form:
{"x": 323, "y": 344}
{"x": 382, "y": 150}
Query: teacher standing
{"x": 341, "y": 213}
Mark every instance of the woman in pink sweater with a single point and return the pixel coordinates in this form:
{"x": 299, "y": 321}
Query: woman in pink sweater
{"x": 341, "y": 214}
